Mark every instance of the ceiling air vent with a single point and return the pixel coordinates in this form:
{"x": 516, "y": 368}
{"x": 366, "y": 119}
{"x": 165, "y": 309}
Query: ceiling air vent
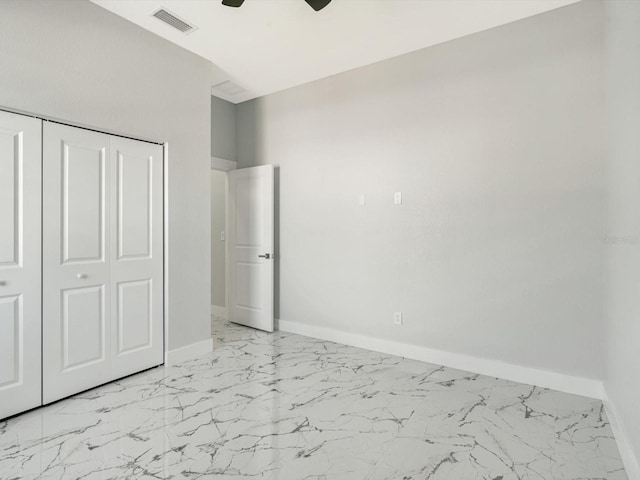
{"x": 227, "y": 87}
{"x": 172, "y": 20}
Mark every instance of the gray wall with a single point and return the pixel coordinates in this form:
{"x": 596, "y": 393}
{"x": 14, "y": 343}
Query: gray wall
{"x": 74, "y": 60}
{"x": 495, "y": 142}
{"x": 218, "y": 255}
{"x": 223, "y": 129}
{"x": 622, "y": 240}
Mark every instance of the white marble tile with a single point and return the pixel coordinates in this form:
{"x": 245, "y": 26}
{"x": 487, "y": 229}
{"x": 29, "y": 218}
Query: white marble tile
{"x": 280, "y": 406}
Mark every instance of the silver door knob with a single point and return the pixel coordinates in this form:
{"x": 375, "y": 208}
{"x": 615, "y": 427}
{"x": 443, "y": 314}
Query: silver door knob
{"x": 266, "y": 255}
{"x": 2, "y": 283}
{"x": 81, "y": 276}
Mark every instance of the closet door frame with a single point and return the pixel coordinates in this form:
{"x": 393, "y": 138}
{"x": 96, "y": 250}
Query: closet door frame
{"x": 42, "y": 119}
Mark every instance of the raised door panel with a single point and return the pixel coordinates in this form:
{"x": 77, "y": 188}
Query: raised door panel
{"x": 11, "y": 164}
{"x": 249, "y": 227}
{"x": 76, "y": 260}
{"x": 83, "y": 327}
{"x": 249, "y": 293}
{"x": 83, "y": 203}
{"x": 11, "y": 349}
{"x": 135, "y": 197}
{"x": 137, "y": 271}
{"x": 135, "y": 325}
{"x": 20, "y": 263}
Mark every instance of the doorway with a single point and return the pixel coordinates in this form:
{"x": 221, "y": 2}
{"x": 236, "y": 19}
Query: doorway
{"x": 218, "y": 248}
{"x": 242, "y": 247}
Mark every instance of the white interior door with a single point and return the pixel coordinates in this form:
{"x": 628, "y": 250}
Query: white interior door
{"x": 20, "y": 263}
{"x": 136, "y": 253}
{"x": 76, "y": 294}
{"x": 251, "y": 253}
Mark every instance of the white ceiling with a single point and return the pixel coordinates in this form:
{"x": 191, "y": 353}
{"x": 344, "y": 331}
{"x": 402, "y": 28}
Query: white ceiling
{"x": 270, "y": 45}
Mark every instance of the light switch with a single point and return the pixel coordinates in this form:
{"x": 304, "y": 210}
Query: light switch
{"x": 222, "y": 235}
{"x": 397, "y": 198}
{"x": 362, "y": 199}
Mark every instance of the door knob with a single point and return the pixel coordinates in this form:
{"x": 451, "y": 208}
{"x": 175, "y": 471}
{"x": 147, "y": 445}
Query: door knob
{"x": 81, "y": 276}
{"x": 266, "y": 255}
{"x": 2, "y": 283}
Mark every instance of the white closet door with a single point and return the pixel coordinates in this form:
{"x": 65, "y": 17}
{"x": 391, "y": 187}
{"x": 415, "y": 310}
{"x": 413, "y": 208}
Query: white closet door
{"x": 136, "y": 253}
{"x": 76, "y": 296}
{"x": 20, "y": 263}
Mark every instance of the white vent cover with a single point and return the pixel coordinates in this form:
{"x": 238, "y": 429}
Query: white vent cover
{"x": 173, "y": 20}
{"x": 228, "y": 87}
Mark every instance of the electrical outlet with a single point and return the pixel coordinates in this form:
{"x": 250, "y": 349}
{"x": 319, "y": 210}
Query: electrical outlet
{"x": 397, "y": 318}
{"x": 397, "y": 198}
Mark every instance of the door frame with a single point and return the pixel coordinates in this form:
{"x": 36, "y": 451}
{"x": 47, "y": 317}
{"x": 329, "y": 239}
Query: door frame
{"x": 224, "y": 165}
{"x": 165, "y": 247}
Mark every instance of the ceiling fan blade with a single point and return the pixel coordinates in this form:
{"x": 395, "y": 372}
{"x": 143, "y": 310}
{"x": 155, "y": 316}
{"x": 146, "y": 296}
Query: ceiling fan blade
{"x": 232, "y": 3}
{"x": 318, "y": 5}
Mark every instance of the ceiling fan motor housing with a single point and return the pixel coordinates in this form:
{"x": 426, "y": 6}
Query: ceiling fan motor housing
{"x": 317, "y": 5}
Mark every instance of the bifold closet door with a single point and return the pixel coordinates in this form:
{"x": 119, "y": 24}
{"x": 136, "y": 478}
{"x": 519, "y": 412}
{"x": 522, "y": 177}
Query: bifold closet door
{"x": 20, "y": 263}
{"x": 102, "y": 263}
{"x": 137, "y": 330}
{"x": 76, "y": 295}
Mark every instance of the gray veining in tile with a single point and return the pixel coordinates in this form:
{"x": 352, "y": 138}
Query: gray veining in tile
{"x": 280, "y": 406}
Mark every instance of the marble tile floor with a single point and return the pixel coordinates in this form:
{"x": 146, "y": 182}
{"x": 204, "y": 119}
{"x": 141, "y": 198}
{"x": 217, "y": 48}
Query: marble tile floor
{"x": 281, "y": 406}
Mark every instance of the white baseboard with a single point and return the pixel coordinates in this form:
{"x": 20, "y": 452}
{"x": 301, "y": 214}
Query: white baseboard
{"x": 188, "y": 352}
{"x": 218, "y": 311}
{"x": 543, "y": 378}
{"x": 629, "y": 459}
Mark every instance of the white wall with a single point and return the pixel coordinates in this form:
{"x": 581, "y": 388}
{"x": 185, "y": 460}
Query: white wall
{"x": 218, "y": 255}
{"x": 74, "y": 60}
{"x": 223, "y": 129}
{"x": 622, "y": 240}
{"x": 495, "y": 142}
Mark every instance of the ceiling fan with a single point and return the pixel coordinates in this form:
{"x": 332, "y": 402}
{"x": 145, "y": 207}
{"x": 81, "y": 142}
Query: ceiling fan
{"x": 317, "y": 5}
